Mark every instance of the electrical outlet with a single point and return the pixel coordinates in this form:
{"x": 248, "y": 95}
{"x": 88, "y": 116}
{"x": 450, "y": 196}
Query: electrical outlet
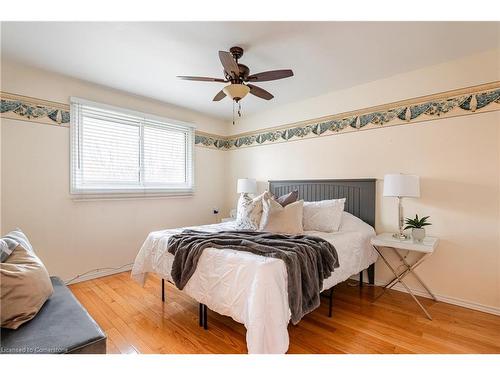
{"x": 215, "y": 211}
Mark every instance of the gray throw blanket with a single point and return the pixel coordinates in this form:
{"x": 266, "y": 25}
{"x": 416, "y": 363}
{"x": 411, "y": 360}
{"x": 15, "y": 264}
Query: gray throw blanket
{"x": 308, "y": 260}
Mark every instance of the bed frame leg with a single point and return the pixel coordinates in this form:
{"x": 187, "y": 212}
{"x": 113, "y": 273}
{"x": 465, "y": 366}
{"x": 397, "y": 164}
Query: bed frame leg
{"x": 202, "y": 310}
{"x": 205, "y": 317}
{"x": 361, "y": 279}
{"x": 163, "y": 290}
{"x": 371, "y": 274}
{"x": 330, "y": 306}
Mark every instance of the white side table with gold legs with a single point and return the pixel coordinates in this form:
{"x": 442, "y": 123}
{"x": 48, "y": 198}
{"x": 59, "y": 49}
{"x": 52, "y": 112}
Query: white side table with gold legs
{"x": 425, "y": 249}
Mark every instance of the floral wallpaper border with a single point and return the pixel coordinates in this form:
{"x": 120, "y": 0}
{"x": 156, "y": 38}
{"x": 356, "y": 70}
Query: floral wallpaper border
{"x": 413, "y": 111}
{"x": 32, "y": 109}
{"x": 455, "y": 103}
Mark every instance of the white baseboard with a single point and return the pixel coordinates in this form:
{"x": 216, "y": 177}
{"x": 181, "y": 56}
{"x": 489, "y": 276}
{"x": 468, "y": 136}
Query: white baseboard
{"x": 99, "y": 273}
{"x": 447, "y": 299}
{"x": 442, "y": 298}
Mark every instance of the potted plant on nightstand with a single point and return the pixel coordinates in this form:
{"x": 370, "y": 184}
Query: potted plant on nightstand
{"x": 417, "y": 227}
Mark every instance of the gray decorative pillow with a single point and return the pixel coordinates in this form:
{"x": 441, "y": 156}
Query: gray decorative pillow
{"x": 7, "y": 245}
{"x": 10, "y": 241}
{"x": 249, "y": 212}
{"x": 286, "y": 199}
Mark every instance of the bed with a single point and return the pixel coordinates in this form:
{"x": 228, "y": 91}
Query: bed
{"x": 252, "y": 289}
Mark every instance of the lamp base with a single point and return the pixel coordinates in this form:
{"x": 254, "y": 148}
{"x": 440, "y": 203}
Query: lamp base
{"x": 400, "y": 236}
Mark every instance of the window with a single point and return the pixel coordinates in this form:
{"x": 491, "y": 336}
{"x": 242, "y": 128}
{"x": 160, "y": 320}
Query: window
{"x": 117, "y": 151}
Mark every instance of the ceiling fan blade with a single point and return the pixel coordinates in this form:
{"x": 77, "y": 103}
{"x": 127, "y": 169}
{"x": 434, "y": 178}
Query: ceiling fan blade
{"x": 261, "y": 93}
{"x": 270, "y": 75}
{"x": 204, "y": 79}
{"x": 220, "y": 95}
{"x": 229, "y": 64}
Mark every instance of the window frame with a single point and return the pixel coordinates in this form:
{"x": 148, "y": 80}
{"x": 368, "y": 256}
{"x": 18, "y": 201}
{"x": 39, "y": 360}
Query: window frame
{"x": 141, "y": 189}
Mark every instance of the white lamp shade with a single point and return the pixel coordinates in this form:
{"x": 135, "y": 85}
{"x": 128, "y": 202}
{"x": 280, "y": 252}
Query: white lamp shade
{"x": 401, "y": 185}
{"x": 246, "y": 185}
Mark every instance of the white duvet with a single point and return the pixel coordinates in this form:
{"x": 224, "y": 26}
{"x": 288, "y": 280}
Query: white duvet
{"x": 250, "y": 288}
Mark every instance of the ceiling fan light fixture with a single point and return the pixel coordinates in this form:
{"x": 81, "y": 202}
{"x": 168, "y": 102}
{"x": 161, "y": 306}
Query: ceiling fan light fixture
{"x": 236, "y": 91}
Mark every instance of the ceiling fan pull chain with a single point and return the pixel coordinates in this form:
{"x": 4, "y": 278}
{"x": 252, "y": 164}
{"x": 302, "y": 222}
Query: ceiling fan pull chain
{"x": 233, "y": 112}
{"x": 239, "y": 109}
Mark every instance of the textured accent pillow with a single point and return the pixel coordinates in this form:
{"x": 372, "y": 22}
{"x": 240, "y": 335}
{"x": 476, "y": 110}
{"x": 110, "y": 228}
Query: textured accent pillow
{"x": 323, "y": 216}
{"x": 7, "y": 246}
{"x": 25, "y": 284}
{"x": 286, "y": 199}
{"x": 249, "y": 212}
{"x": 279, "y": 219}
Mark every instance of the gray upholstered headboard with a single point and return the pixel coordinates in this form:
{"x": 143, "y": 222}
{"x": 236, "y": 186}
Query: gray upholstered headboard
{"x": 359, "y": 193}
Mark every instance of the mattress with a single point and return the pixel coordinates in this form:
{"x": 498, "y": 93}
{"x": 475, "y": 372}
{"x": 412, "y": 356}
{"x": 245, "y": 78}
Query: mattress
{"x": 250, "y": 288}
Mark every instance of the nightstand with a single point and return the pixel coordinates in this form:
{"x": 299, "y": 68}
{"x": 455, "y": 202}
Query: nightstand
{"x": 425, "y": 249}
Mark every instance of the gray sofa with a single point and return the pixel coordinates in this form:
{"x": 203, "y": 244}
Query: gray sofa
{"x": 61, "y": 326}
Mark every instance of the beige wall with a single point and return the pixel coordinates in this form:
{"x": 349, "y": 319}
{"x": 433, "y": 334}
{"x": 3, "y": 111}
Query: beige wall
{"x": 469, "y": 71}
{"x": 457, "y": 159}
{"x": 42, "y": 84}
{"x": 1, "y": 230}
{"x": 76, "y": 236}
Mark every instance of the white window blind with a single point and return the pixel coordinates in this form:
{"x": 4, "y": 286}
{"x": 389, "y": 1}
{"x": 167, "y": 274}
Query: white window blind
{"x": 117, "y": 151}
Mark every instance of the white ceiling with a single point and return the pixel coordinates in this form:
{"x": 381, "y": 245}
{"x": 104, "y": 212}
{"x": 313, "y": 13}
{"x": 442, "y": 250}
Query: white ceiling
{"x": 144, "y": 58}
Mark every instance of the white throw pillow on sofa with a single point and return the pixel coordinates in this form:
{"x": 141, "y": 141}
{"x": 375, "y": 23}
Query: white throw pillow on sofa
{"x": 323, "y": 216}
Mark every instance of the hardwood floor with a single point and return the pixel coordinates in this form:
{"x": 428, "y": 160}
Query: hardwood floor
{"x": 136, "y": 321}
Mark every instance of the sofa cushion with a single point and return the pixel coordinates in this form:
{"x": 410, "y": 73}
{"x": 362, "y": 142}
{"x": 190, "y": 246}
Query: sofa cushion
{"x": 61, "y": 326}
{"x": 25, "y": 283}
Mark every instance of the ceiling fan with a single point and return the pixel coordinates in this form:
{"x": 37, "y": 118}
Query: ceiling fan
{"x": 239, "y": 78}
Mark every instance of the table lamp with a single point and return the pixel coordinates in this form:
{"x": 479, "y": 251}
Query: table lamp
{"x": 400, "y": 186}
{"x": 246, "y": 186}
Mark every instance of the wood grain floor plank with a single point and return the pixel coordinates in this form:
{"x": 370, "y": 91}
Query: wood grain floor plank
{"x": 136, "y": 321}
{"x": 111, "y": 347}
{"x": 123, "y": 346}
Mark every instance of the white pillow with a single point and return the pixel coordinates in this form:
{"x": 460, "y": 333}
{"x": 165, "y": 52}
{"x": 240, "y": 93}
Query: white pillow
{"x": 279, "y": 219}
{"x": 351, "y": 223}
{"x": 323, "y": 216}
{"x": 249, "y": 212}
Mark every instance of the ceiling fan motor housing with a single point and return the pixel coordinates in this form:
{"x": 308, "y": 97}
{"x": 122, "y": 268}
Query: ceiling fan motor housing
{"x": 242, "y": 75}
{"x": 244, "y": 71}
{"x": 237, "y": 52}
